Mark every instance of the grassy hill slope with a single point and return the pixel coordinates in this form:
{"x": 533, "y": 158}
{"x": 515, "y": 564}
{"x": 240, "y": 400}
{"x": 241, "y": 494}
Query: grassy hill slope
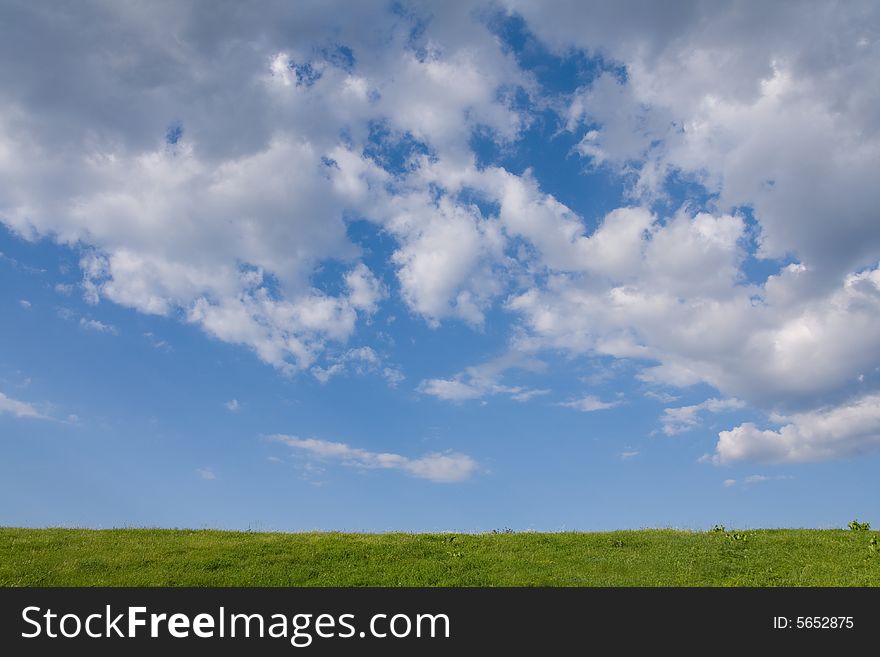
{"x": 150, "y": 557}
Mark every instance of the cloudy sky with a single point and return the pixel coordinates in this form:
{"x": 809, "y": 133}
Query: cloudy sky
{"x": 430, "y": 266}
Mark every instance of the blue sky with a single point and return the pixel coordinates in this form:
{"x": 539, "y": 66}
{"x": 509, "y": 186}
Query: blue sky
{"x": 427, "y": 268}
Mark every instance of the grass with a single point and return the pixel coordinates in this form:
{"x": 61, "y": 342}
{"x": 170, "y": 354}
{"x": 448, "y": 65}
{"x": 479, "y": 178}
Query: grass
{"x": 153, "y": 557}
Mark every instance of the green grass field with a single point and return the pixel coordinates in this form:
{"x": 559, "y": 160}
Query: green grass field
{"x": 148, "y": 557}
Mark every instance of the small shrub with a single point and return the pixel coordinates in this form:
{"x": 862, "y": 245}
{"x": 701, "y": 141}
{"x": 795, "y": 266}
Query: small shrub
{"x": 717, "y": 529}
{"x": 857, "y": 526}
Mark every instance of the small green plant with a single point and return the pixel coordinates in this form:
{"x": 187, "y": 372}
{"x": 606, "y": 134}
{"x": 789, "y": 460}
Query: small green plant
{"x": 505, "y": 530}
{"x": 857, "y": 526}
{"x": 729, "y": 535}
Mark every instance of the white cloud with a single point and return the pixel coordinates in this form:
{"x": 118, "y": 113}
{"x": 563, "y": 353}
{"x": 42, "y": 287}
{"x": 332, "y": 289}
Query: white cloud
{"x": 24, "y": 303}
{"x": 626, "y": 456}
{"x": 701, "y": 101}
{"x": 359, "y": 361}
{"x": 225, "y": 221}
{"x": 664, "y": 397}
{"x": 226, "y": 224}
{"x": 445, "y": 259}
{"x": 233, "y": 406}
{"x": 436, "y": 466}
{"x": 365, "y": 290}
{"x": 207, "y": 474}
{"x": 752, "y": 342}
{"x": 287, "y": 334}
{"x": 393, "y": 376}
{"x": 97, "y": 326}
{"x": 479, "y": 381}
{"x": 18, "y": 408}
{"x": 450, "y": 389}
{"x": 87, "y": 323}
{"x": 751, "y": 480}
{"x": 157, "y": 342}
{"x": 848, "y": 429}
{"x": 590, "y": 403}
{"x": 324, "y": 374}
{"x": 726, "y": 94}
{"x": 685, "y": 418}
{"x": 526, "y": 395}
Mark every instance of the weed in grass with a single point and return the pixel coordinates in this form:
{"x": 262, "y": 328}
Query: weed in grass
{"x": 729, "y": 535}
{"x": 857, "y": 526}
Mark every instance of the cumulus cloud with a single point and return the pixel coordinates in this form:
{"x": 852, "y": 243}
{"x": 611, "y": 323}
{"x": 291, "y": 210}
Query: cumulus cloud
{"x": 216, "y": 181}
{"x": 765, "y": 345}
{"x": 220, "y": 181}
{"x": 18, "y": 408}
{"x": 702, "y": 101}
{"x": 438, "y": 467}
{"x": 726, "y": 94}
{"x": 442, "y": 261}
{"x": 365, "y": 290}
{"x": 846, "y": 430}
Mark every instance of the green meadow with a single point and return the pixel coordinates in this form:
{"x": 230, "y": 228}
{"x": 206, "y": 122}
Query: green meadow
{"x": 655, "y": 557}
